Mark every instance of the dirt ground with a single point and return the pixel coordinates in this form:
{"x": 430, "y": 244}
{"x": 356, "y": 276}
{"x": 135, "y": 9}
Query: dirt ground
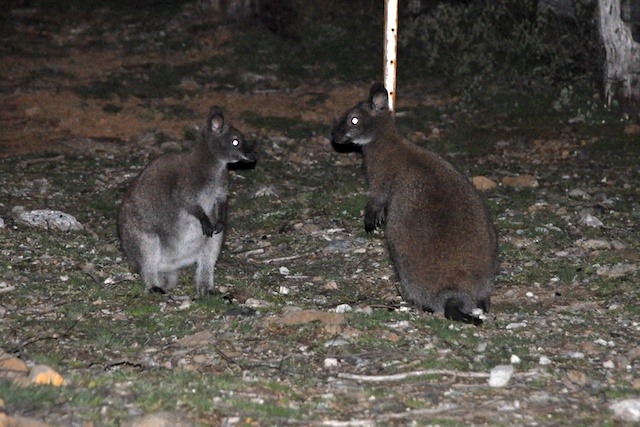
{"x": 309, "y": 328}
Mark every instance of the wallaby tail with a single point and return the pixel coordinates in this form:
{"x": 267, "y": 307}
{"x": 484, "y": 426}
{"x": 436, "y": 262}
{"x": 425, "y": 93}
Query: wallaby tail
{"x": 453, "y": 311}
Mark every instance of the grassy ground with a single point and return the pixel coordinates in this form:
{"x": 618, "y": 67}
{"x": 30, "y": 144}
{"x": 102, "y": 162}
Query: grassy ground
{"x": 110, "y": 94}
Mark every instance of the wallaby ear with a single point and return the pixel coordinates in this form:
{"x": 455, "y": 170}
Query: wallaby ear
{"x": 379, "y": 97}
{"x": 216, "y": 119}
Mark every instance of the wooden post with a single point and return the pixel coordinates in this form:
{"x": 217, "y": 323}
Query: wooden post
{"x": 390, "y": 49}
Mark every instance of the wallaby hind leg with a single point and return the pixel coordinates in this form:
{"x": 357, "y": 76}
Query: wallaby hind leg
{"x": 149, "y": 251}
{"x": 168, "y": 279}
{"x": 207, "y": 264}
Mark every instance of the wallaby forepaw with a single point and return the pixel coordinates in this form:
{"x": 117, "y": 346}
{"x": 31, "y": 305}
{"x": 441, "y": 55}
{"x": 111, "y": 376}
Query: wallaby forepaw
{"x": 156, "y": 290}
{"x": 207, "y": 230}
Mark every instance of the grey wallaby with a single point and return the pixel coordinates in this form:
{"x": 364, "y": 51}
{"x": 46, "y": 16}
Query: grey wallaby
{"x": 174, "y": 212}
{"x": 440, "y": 236}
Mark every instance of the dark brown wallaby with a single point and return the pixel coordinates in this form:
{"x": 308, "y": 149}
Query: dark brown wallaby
{"x": 174, "y": 212}
{"x": 440, "y": 237}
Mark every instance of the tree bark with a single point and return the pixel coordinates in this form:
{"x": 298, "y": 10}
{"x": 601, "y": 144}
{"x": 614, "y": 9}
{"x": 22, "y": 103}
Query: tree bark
{"x": 622, "y": 66}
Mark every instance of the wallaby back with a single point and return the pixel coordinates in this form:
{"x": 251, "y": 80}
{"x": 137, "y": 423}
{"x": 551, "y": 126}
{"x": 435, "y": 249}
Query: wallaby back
{"x": 439, "y": 233}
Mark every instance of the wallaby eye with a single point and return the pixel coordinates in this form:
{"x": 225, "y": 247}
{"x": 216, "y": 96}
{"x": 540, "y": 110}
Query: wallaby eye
{"x": 355, "y": 121}
{"x": 235, "y": 142}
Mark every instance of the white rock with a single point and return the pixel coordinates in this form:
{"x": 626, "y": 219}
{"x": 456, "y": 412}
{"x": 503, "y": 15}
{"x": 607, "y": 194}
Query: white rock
{"x": 608, "y": 364}
{"x": 184, "y": 305}
{"x": 516, "y": 325}
{"x": 591, "y": 221}
{"x": 544, "y": 360}
{"x": 1, "y": 223}
{"x": 514, "y": 359}
{"x": 500, "y": 375}
{"x": 46, "y": 218}
{"x": 343, "y": 308}
{"x": 627, "y": 409}
{"x": 576, "y": 193}
{"x": 330, "y": 362}
{"x": 284, "y": 271}
{"x": 575, "y": 355}
{"x": 284, "y": 290}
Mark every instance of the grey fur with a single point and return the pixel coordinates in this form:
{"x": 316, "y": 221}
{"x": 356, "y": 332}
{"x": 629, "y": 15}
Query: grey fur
{"x": 174, "y": 212}
{"x": 439, "y": 233}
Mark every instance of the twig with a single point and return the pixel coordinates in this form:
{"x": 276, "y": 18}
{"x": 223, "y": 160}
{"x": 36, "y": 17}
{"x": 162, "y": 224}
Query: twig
{"x": 120, "y": 362}
{"x": 30, "y": 162}
{"x": 21, "y": 345}
{"x": 226, "y": 358}
{"x": 405, "y": 375}
{"x": 284, "y": 258}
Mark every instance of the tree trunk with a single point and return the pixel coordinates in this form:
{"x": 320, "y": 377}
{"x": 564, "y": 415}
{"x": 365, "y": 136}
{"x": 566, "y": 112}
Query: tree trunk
{"x": 622, "y": 66}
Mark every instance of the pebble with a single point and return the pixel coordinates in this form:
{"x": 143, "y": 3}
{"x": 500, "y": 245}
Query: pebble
{"x": 576, "y": 193}
{"x": 591, "y": 221}
{"x": 521, "y": 181}
{"x": 514, "y": 359}
{"x": 593, "y": 244}
{"x": 330, "y": 362}
{"x": 544, "y": 360}
{"x": 500, "y": 375}
{"x": 616, "y": 271}
{"x": 42, "y": 374}
{"x": 482, "y": 183}
{"x": 343, "y": 308}
{"x": 162, "y": 419}
{"x": 627, "y": 409}
{"x": 284, "y": 271}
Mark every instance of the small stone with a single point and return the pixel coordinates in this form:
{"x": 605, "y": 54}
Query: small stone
{"x": 593, "y": 244}
{"x": 577, "y": 377}
{"x": 591, "y": 221}
{"x": 514, "y": 359}
{"x": 42, "y": 374}
{"x": 521, "y": 181}
{"x": 343, "y": 308}
{"x": 184, "y": 305}
{"x": 616, "y": 271}
{"x": 627, "y": 409}
{"x": 256, "y": 303}
{"x": 579, "y": 194}
{"x": 500, "y": 375}
{"x": 284, "y": 271}
{"x": 162, "y": 419}
{"x": 283, "y": 290}
{"x": 482, "y": 183}
{"x": 608, "y": 364}
{"x": 330, "y": 362}
{"x": 516, "y": 325}
{"x": 544, "y": 360}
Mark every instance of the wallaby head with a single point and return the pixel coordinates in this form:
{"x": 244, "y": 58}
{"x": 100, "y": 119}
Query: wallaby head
{"x": 225, "y": 141}
{"x": 364, "y": 122}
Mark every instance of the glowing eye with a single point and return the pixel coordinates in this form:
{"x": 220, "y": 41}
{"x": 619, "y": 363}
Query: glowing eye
{"x": 354, "y": 120}
{"x": 235, "y": 142}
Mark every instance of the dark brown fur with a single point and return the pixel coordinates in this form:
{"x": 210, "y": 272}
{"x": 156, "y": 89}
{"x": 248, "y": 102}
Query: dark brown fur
{"x": 441, "y": 239}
